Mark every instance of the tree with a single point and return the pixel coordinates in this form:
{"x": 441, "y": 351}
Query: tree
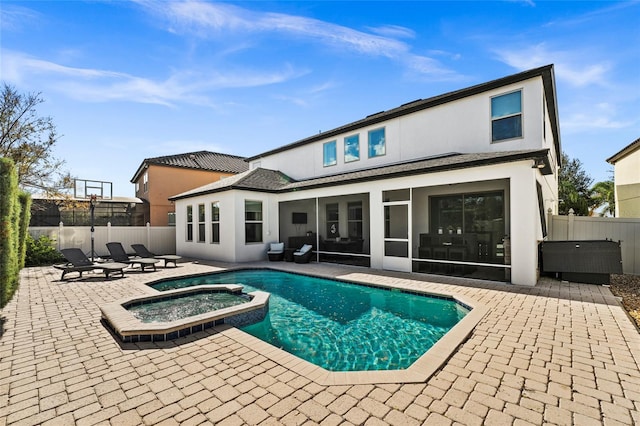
{"x": 603, "y": 195}
{"x": 28, "y": 139}
{"x": 574, "y": 187}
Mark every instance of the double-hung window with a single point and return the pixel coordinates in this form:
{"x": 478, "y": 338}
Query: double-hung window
{"x": 377, "y": 143}
{"x": 189, "y": 223}
{"x": 252, "y": 221}
{"x": 215, "y": 222}
{"x": 506, "y": 116}
{"x": 201, "y": 224}
{"x": 329, "y": 154}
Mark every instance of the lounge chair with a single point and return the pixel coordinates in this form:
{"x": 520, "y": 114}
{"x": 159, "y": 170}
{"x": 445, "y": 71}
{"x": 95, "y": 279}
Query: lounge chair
{"x": 79, "y": 262}
{"x": 141, "y": 250}
{"x": 276, "y": 252}
{"x": 119, "y": 255}
{"x": 303, "y": 255}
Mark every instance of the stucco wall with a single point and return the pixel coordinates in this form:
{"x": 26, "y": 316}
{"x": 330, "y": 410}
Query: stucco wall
{"x": 459, "y": 126}
{"x": 627, "y": 182}
{"x": 167, "y": 181}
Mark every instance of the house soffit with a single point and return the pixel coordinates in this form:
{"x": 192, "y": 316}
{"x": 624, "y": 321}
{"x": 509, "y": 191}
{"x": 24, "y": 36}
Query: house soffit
{"x": 275, "y": 182}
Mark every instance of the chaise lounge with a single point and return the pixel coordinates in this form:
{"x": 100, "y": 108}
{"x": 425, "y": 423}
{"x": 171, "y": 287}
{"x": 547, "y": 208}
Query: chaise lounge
{"x": 79, "y": 262}
{"x": 303, "y": 254}
{"x": 119, "y": 255}
{"x": 141, "y": 250}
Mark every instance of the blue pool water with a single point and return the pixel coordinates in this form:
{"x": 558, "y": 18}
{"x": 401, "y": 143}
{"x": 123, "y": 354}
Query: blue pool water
{"x": 185, "y": 306}
{"x": 340, "y": 326}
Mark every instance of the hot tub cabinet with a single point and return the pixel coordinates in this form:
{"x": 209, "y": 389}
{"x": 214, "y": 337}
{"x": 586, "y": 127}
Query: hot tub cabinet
{"x": 589, "y": 261}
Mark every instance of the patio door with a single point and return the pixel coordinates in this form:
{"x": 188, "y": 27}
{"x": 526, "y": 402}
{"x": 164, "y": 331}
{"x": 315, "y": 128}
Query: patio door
{"x": 397, "y": 230}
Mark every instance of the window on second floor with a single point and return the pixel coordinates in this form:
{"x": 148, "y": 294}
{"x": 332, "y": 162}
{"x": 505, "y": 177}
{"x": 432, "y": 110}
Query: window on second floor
{"x": 329, "y": 154}
{"x": 351, "y": 148}
{"x": 506, "y": 116}
{"x": 377, "y": 143}
{"x": 145, "y": 182}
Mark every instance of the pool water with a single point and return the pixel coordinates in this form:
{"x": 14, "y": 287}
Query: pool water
{"x": 185, "y": 306}
{"x": 340, "y": 326}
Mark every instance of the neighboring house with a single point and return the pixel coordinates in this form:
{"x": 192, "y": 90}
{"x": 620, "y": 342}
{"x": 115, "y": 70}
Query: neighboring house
{"x": 455, "y": 184}
{"x": 626, "y": 171}
{"x": 158, "y": 178}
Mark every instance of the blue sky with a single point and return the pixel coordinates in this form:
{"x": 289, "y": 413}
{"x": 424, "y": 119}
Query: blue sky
{"x": 124, "y": 81}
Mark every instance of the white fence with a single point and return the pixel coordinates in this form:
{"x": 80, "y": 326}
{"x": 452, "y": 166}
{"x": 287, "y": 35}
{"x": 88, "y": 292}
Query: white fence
{"x": 158, "y": 239}
{"x": 625, "y": 230}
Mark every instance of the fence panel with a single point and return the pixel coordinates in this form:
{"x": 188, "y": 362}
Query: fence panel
{"x": 158, "y": 239}
{"x": 625, "y": 230}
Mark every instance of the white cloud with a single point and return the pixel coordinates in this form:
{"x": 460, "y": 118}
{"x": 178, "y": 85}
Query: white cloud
{"x": 393, "y": 31}
{"x": 99, "y": 85}
{"x": 211, "y": 20}
{"x": 603, "y": 115}
{"x": 17, "y": 18}
{"x": 569, "y": 66}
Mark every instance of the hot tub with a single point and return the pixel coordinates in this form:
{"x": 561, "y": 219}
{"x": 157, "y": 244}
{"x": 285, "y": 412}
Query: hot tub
{"x": 178, "y": 313}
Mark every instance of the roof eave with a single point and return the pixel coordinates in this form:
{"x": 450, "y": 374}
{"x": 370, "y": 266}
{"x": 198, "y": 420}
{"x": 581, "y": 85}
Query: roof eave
{"x": 624, "y": 152}
{"x": 545, "y": 72}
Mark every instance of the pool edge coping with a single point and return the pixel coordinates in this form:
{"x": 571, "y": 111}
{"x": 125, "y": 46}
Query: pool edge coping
{"x": 124, "y": 323}
{"x": 418, "y": 372}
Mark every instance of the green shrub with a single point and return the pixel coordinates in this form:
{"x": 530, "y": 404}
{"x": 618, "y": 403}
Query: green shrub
{"x": 9, "y": 231}
{"x": 42, "y": 251}
{"x": 23, "y": 226}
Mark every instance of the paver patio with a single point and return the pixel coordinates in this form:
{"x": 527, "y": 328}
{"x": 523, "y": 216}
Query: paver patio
{"x": 557, "y": 353}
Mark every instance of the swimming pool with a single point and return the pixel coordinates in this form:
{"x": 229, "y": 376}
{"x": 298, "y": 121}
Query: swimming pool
{"x": 340, "y": 326}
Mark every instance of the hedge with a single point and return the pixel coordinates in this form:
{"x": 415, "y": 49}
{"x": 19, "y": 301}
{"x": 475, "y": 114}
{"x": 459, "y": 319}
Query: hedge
{"x": 14, "y": 222}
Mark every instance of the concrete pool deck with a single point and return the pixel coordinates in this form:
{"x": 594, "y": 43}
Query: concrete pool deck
{"x": 556, "y": 353}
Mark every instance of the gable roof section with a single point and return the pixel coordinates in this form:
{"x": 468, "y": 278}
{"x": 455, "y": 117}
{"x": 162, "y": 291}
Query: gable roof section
{"x": 629, "y": 149}
{"x": 200, "y": 160}
{"x": 546, "y": 73}
{"x": 264, "y": 180}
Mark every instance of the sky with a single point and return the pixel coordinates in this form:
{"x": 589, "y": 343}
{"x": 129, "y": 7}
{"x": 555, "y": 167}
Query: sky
{"x": 129, "y": 80}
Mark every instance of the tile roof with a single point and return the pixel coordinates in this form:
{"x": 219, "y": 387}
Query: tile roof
{"x": 264, "y": 180}
{"x": 200, "y": 160}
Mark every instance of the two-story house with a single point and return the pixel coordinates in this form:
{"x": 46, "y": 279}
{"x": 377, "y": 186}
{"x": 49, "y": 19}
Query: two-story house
{"x": 160, "y": 177}
{"x": 626, "y": 172}
{"x": 454, "y": 184}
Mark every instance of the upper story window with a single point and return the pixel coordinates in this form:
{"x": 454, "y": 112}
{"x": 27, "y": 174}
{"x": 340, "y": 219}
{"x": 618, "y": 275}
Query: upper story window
{"x": 506, "y": 116}
{"x": 145, "y": 181}
{"x": 329, "y": 154}
{"x": 377, "y": 143}
{"x": 351, "y": 148}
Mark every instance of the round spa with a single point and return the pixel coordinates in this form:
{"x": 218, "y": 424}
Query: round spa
{"x": 177, "y": 313}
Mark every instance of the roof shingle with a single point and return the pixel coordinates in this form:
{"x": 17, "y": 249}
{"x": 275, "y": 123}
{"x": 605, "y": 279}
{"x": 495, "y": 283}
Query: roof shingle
{"x": 200, "y": 160}
{"x": 265, "y": 180}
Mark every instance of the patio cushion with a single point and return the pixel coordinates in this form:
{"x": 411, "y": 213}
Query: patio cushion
{"x": 305, "y": 248}
{"x": 276, "y": 247}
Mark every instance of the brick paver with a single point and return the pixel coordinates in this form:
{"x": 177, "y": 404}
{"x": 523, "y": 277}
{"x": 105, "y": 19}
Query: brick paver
{"x": 558, "y": 353}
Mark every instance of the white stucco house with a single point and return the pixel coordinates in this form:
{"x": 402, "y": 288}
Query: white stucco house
{"x": 626, "y": 175}
{"x": 454, "y": 184}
